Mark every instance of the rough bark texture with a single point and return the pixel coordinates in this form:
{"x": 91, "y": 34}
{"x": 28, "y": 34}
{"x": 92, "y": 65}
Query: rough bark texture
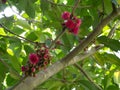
{"x": 30, "y": 83}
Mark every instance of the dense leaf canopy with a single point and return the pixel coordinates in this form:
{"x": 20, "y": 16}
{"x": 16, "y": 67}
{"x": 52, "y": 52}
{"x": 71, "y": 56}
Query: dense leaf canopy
{"x": 28, "y": 25}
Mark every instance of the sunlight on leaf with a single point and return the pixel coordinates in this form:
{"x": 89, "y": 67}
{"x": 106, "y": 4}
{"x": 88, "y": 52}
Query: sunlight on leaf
{"x": 10, "y": 52}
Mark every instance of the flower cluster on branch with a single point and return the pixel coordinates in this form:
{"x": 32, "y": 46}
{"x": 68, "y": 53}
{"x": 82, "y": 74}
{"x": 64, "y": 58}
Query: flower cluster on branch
{"x": 72, "y": 23}
{"x": 37, "y": 61}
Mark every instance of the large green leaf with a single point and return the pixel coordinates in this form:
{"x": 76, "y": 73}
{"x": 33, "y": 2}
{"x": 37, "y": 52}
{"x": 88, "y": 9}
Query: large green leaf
{"x": 105, "y": 57}
{"x": 111, "y": 43}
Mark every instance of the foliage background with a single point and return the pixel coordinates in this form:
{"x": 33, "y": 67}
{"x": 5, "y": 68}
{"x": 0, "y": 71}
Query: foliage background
{"x": 40, "y": 21}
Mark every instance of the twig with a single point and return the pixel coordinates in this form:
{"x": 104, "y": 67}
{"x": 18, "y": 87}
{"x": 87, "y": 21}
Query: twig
{"x": 63, "y": 31}
{"x": 87, "y": 76}
{"x": 75, "y": 6}
{"x": 5, "y": 28}
{"x": 113, "y": 29}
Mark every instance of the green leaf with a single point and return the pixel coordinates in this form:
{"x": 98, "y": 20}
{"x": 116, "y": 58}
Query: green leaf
{"x": 111, "y": 43}
{"x": 32, "y": 36}
{"x": 18, "y": 30}
{"x": 15, "y": 45}
{"x": 45, "y": 6}
{"x": 99, "y": 58}
{"x": 3, "y": 71}
{"x": 2, "y": 32}
{"x": 28, "y": 49}
{"x": 105, "y": 57}
{"x": 15, "y": 63}
{"x": 88, "y": 85}
{"x": 108, "y": 6}
{"x": 23, "y": 23}
{"x": 113, "y": 87}
{"x": 117, "y": 77}
{"x": 3, "y": 45}
{"x": 29, "y": 9}
{"x": 67, "y": 42}
{"x": 14, "y": 74}
{"x": 10, "y": 81}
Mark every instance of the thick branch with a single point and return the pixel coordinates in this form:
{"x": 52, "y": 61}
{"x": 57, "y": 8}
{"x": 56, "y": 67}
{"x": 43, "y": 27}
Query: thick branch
{"x": 31, "y": 82}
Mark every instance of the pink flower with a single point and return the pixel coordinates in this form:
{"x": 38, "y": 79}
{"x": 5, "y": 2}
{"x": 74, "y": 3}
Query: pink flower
{"x": 33, "y": 58}
{"x": 75, "y": 30}
{"x": 46, "y": 56}
{"x": 70, "y": 24}
{"x": 65, "y": 15}
{"x": 33, "y": 69}
{"x": 78, "y": 22}
{"x": 23, "y": 68}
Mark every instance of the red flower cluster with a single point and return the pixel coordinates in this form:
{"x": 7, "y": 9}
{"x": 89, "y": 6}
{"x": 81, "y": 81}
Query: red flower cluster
{"x": 72, "y": 24}
{"x": 37, "y": 61}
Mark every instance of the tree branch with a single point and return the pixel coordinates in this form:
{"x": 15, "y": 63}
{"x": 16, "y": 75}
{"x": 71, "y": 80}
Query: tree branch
{"x": 42, "y": 76}
{"x": 113, "y": 29}
{"x": 31, "y": 82}
{"x": 6, "y": 29}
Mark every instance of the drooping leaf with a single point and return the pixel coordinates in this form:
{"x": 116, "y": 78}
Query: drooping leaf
{"x": 110, "y": 43}
{"x": 105, "y": 57}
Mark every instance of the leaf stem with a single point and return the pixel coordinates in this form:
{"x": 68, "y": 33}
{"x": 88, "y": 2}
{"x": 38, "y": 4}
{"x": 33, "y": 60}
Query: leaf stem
{"x": 87, "y": 76}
